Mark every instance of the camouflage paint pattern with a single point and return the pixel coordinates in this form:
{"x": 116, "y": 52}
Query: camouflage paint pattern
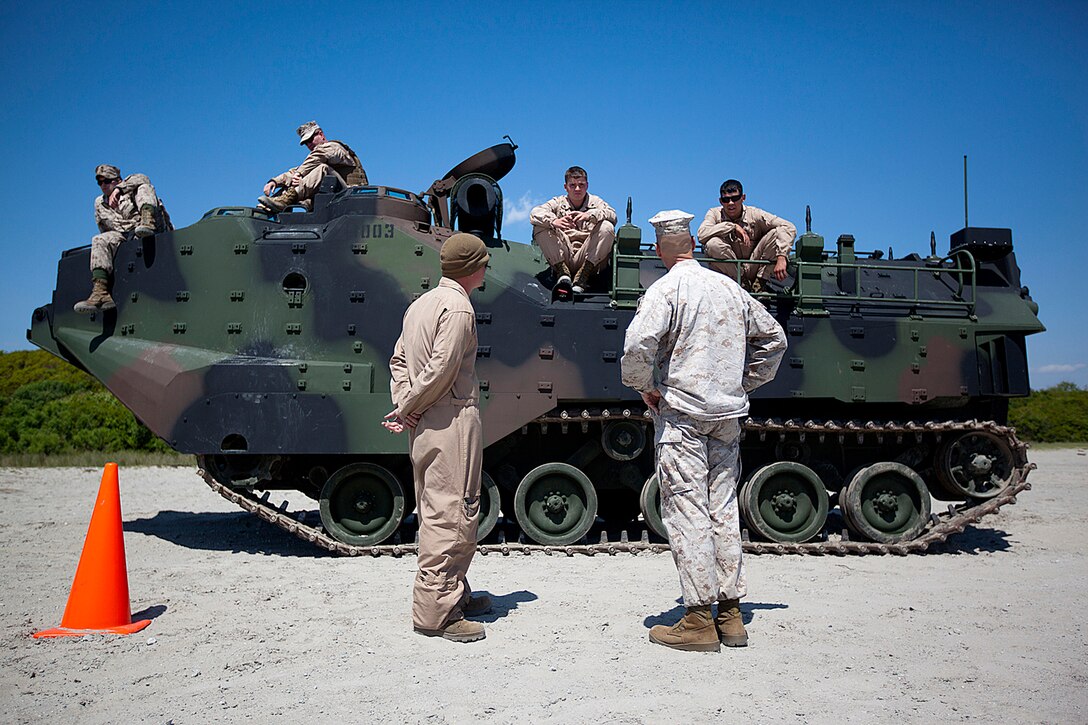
{"x": 270, "y": 336}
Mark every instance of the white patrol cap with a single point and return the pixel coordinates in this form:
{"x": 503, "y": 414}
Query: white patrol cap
{"x": 673, "y": 230}
{"x": 672, "y": 223}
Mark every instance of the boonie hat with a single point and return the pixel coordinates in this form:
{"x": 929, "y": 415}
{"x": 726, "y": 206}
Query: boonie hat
{"x": 462, "y": 254}
{"x": 306, "y": 131}
{"x": 106, "y": 171}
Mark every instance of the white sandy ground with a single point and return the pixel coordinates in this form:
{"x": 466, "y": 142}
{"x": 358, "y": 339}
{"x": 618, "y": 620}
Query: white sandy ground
{"x": 251, "y": 624}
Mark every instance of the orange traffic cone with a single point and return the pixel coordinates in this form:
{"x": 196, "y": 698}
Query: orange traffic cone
{"x": 98, "y": 602}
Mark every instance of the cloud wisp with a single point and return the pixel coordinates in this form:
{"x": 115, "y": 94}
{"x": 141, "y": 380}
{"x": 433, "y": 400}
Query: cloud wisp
{"x": 1061, "y": 368}
{"x": 517, "y": 212}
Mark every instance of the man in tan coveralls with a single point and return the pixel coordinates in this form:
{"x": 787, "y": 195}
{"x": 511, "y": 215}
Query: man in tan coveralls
{"x": 300, "y": 183}
{"x": 434, "y": 386}
{"x": 733, "y": 231}
{"x": 697, "y": 346}
{"x": 124, "y": 206}
{"x": 575, "y": 232}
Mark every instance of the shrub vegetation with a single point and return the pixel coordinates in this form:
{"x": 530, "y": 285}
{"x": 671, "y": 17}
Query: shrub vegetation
{"x": 1057, "y": 414}
{"x": 49, "y": 407}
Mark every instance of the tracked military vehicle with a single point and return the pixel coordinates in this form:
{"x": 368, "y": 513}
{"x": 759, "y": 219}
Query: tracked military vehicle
{"x": 260, "y": 344}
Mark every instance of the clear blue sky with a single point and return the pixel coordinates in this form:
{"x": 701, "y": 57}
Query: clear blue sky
{"x": 862, "y": 110}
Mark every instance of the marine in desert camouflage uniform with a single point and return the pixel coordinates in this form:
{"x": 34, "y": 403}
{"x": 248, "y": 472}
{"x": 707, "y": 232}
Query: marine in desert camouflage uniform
{"x": 697, "y": 345}
{"x": 734, "y": 231}
{"x": 574, "y": 231}
{"x": 433, "y": 384}
{"x": 299, "y": 184}
{"x": 124, "y": 207}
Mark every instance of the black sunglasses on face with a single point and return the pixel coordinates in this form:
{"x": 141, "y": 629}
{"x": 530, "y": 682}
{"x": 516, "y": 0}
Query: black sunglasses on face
{"x": 726, "y": 199}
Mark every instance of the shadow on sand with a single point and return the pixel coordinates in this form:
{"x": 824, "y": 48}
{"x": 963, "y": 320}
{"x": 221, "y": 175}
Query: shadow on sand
{"x": 974, "y": 540}
{"x": 222, "y": 531}
{"x": 503, "y": 604}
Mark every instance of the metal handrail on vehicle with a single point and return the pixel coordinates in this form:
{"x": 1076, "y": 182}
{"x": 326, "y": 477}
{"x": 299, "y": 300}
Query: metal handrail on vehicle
{"x": 962, "y": 273}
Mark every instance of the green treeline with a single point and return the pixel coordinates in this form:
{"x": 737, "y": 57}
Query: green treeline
{"x": 1058, "y": 414}
{"x": 48, "y": 407}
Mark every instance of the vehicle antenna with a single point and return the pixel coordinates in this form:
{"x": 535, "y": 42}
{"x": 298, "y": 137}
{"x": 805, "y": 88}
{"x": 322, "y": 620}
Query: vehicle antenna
{"x": 965, "y": 191}
{"x": 628, "y": 210}
{"x": 512, "y": 144}
{"x": 808, "y": 219}
{"x": 932, "y": 244}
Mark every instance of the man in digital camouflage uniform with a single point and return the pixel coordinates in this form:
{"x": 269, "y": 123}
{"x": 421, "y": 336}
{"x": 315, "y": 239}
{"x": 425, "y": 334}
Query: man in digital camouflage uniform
{"x": 434, "y": 387}
{"x": 574, "y": 231}
{"x": 734, "y": 231}
{"x": 299, "y": 184}
{"x": 695, "y": 348}
{"x": 125, "y": 206}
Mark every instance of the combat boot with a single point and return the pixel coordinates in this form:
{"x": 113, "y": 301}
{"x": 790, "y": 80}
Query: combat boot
{"x": 730, "y": 624}
{"x": 475, "y": 604}
{"x": 694, "y": 632}
{"x": 585, "y": 274}
{"x": 279, "y": 202}
{"x": 561, "y": 272}
{"x": 146, "y": 226}
{"x": 461, "y": 630}
{"x": 99, "y": 300}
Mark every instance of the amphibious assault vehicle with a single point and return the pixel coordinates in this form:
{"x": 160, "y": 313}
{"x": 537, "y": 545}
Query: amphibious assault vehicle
{"x": 260, "y": 344}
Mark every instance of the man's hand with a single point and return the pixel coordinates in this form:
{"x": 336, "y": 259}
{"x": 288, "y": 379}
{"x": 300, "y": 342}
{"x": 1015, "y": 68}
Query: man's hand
{"x": 651, "y": 399}
{"x": 780, "y": 268}
{"x": 269, "y": 188}
{"x": 295, "y": 180}
{"x": 564, "y": 222}
{"x": 581, "y": 218}
{"x": 738, "y": 230}
{"x": 115, "y": 197}
{"x": 394, "y": 423}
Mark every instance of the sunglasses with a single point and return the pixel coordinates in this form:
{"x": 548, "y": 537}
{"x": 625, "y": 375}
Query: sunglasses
{"x": 726, "y": 199}
{"x": 103, "y": 181}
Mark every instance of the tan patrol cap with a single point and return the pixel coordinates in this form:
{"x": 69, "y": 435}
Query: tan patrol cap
{"x": 306, "y": 131}
{"x": 462, "y": 254}
{"x": 106, "y": 171}
{"x": 673, "y": 228}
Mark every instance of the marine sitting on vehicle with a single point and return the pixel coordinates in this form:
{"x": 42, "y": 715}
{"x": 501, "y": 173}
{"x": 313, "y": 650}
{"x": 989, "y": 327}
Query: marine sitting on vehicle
{"x": 734, "y": 231}
{"x": 574, "y": 231}
{"x": 299, "y": 184}
{"x": 125, "y": 207}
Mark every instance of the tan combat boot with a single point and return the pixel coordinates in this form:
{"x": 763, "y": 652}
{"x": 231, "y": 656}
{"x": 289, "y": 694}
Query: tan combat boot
{"x": 694, "y": 632}
{"x": 146, "y": 226}
{"x": 561, "y": 272}
{"x": 279, "y": 202}
{"x": 461, "y": 630}
{"x": 99, "y": 300}
{"x": 730, "y": 624}
{"x": 581, "y": 280}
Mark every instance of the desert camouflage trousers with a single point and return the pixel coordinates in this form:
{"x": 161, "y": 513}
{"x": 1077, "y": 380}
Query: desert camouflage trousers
{"x": 104, "y": 246}
{"x": 447, "y": 454}
{"x": 698, "y": 466}
{"x": 308, "y": 184}
{"x": 575, "y": 246}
